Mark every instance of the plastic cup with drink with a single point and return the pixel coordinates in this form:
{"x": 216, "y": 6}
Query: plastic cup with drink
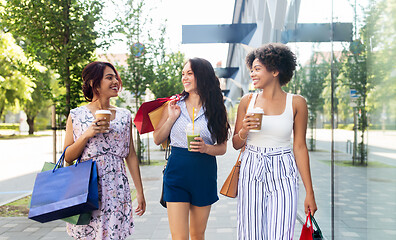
{"x": 192, "y": 132}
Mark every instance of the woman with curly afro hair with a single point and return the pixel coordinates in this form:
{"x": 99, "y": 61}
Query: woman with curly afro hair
{"x": 269, "y": 173}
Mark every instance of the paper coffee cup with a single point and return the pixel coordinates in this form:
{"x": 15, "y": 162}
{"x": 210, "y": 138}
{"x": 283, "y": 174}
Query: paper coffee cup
{"x": 257, "y": 113}
{"x": 103, "y": 114}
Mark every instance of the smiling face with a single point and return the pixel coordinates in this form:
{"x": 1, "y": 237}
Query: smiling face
{"x": 109, "y": 85}
{"x": 260, "y": 76}
{"x": 188, "y": 79}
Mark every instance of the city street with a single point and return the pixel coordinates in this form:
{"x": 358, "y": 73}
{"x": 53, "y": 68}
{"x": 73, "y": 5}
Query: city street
{"x": 365, "y": 206}
{"x": 381, "y": 145}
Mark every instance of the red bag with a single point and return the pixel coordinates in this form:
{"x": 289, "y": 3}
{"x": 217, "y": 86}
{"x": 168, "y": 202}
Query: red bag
{"x": 142, "y": 119}
{"x": 306, "y": 232}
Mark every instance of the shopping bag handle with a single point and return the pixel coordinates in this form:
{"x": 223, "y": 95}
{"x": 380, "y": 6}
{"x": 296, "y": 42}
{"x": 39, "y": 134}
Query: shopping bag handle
{"x": 310, "y": 223}
{"x": 59, "y": 164}
{"x": 314, "y": 221}
{"x": 316, "y": 226}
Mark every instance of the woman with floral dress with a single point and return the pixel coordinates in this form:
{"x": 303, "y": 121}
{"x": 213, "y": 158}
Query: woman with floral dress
{"x": 109, "y": 145}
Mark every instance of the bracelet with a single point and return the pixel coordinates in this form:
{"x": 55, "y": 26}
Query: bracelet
{"x": 239, "y": 135}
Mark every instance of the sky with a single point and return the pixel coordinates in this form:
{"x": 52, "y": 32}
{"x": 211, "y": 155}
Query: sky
{"x": 193, "y": 12}
{"x": 196, "y": 12}
{"x": 189, "y": 12}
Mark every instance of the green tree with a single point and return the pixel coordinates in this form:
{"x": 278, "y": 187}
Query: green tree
{"x": 134, "y": 23}
{"x": 341, "y": 92}
{"x": 312, "y": 88}
{"x": 294, "y": 86}
{"x": 359, "y": 74}
{"x": 382, "y": 99}
{"x": 39, "y": 99}
{"x": 14, "y": 85}
{"x": 58, "y": 34}
{"x": 168, "y": 76}
{"x": 168, "y": 68}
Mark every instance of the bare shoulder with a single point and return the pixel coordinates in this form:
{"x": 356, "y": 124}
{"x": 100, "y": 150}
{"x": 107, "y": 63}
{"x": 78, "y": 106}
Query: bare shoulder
{"x": 299, "y": 101}
{"x": 245, "y": 98}
{"x": 244, "y": 101}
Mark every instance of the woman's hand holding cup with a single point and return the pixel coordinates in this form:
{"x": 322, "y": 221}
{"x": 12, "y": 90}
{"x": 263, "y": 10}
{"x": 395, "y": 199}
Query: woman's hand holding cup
{"x": 253, "y": 118}
{"x": 251, "y": 122}
{"x": 102, "y": 121}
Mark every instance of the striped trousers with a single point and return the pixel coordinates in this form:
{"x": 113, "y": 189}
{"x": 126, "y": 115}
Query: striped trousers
{"x": 267, "y": 194}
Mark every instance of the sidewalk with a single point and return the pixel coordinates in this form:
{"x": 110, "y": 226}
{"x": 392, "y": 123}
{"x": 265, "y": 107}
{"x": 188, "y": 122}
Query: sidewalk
{"x": 152, "y": 225}
{"x": 365, "y": 206}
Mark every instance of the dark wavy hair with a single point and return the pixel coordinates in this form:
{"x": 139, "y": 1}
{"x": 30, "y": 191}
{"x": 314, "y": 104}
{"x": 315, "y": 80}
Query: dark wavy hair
{"x": 93, "y": 72}
{"x": 208, "y": 88}
{"x": 275, "y": 57}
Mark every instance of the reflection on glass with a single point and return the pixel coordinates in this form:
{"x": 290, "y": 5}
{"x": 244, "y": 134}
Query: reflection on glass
{"x": 363, "y": 72}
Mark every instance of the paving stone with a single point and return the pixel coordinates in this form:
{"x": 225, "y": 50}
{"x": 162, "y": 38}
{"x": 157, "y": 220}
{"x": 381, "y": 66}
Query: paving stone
{"x": 363, "y": 210}
{"x": 9, "y": 225}
{"x": 31, "y": 229}
{"x": 350, "y": 234}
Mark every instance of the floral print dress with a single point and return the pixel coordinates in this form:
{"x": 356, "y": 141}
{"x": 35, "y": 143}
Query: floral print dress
{"x": 113, "y": 220}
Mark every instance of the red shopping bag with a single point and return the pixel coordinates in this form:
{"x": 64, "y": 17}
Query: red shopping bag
{"x": 306, "y": 232}
{"x": 142, "y": 118}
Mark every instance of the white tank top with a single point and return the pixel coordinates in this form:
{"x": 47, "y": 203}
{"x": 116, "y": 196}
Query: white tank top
{"x": 275, "y": 130}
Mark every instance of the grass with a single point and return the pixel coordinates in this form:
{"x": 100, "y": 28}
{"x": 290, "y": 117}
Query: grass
{"x": 14, "y": 136}
{"x": 18, "y": 208}
{"x": 348, "y": 163}
{"x": 154, "y": 163}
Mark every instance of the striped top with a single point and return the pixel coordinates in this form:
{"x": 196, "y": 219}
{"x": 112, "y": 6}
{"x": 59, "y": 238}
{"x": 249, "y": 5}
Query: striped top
{"x": 275, "y": 130}
{"x": 178, "y": 134}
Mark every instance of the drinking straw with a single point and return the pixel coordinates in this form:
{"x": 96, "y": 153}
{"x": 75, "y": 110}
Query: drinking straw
{"x": 193, "y": 118}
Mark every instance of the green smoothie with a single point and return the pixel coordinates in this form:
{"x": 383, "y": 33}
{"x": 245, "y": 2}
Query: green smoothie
{"x": 190, "y": 138}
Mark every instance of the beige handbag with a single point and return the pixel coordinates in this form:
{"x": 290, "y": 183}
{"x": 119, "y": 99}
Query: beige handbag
{"x": 230, "y": 186}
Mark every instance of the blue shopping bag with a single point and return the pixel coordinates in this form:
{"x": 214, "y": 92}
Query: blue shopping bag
{"x": 65, "y": 191}
{"x": 79, "y": 219}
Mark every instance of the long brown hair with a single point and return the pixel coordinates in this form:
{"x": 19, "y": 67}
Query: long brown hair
{"x": 208, "y": 87}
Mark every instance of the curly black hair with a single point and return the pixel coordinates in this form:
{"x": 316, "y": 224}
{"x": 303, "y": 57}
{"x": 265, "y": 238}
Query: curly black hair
{"x": 275, "y": 57}
{"x": 208, "y": 88}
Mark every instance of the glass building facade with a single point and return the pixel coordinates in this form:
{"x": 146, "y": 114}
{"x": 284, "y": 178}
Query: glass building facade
{"x": 348, "y": 77}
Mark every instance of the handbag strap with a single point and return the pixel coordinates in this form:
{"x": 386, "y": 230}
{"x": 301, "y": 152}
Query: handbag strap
{"x": 60, "y": 162}
{"x": 238, "y": 162}
{"x": 250, "y": 98}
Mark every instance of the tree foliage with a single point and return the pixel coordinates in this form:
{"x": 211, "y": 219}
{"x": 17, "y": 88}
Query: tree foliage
{"x": 312, "y": 87}
{"x": 58, "y": 34}
{"x": 294, "y": 86}
{"x": 382, "y": 99}
{"x": 358, "y": 69}
{"x": 14, "y": 85}
{"x": 39, "y": 98}
{"x": 168, "y": 76}
{"x": 133, "y": 22}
